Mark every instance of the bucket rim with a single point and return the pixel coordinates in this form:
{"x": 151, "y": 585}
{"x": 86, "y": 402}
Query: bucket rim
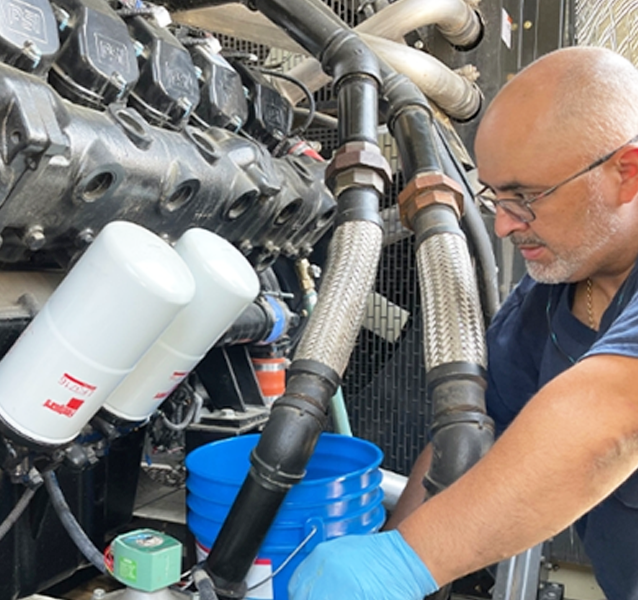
{"x": 284, "y": 519}
{"x": 362, "y": 443}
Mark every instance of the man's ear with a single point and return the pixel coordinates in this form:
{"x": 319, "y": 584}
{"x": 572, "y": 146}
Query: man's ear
{"x": 627, "y": 164}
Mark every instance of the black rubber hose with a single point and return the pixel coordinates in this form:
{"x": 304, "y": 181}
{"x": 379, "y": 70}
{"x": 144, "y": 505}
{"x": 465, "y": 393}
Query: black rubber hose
{"x": 277, "y": 463}
{"x": 255, "y": 324}
{"x": 423, "y": 148}
{"x": 413, "y": 131}
{"x": 292, "y": 16}
{"x": 297, "y": 418}
{"x": 461, "y": 432}
{"x": 358, "y": 99}
{"x": 16, "y": 512}
{"x": 318, "y": 119}
{"x": 478, "y": 237}
{"x": 73, "y": 528}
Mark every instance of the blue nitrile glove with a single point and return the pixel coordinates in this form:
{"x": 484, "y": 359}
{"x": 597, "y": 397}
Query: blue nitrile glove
{"x": 378, "y": 566}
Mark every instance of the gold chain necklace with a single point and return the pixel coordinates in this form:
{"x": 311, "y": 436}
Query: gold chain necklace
{"x": 590, "y": 313}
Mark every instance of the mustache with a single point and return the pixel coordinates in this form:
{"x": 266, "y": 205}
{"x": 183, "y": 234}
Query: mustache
{"x": 519, "y": 240}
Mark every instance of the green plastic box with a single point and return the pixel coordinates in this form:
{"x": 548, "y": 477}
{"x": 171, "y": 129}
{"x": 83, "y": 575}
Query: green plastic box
{"x": 146, "y": 560}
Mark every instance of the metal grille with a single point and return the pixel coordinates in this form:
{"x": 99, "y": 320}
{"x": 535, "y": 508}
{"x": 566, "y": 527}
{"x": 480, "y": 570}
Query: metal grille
{"x": 385, "y": 385}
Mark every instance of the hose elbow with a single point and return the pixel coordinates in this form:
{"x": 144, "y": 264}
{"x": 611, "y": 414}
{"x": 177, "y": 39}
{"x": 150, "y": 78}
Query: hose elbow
{"x": 466, "y": 32}
{"x": 461, "y": 433}
{"x": 348, "y": 55}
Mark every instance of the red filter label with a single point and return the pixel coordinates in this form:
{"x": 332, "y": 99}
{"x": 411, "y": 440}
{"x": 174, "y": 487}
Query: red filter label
{"x": 76, "y": 386}
{"x": 67, "y": 410}
{"x": 175, "y": 379}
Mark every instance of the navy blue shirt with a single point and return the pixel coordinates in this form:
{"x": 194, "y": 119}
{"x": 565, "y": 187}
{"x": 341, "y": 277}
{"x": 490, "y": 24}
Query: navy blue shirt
{"x": 535, "y": 337}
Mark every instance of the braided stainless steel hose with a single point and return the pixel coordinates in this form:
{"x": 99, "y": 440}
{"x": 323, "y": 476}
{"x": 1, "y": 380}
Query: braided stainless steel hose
{"x": 335, "y": 322}
{"x": 452, "y": 318}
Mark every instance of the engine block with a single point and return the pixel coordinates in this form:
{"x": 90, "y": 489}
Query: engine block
{"x": 105, "y": 126}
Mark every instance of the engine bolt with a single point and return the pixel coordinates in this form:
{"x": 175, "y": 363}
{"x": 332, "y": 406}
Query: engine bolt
{"x": 32, "y": 52}
{"x": 34, "y": 238}
{"x": 314, "y": 271}
{"x": 186, "y": 105}
{"x": 245, "y": 247}
{"x": 61, "y": 16}
{"x": 119, "y": 82}
{"x": 85, "y": 237}
{"x": 289, "y": 249}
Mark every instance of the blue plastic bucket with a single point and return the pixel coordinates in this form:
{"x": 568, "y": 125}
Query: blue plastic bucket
{"x": 341, "y": 494}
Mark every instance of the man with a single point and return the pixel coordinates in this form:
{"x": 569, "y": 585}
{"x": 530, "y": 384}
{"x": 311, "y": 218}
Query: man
{"x": 558, "y": 148}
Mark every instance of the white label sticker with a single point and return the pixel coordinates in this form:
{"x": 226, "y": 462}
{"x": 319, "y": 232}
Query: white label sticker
{"x": 506, "y": 30}
{"x": 260, "y": 571}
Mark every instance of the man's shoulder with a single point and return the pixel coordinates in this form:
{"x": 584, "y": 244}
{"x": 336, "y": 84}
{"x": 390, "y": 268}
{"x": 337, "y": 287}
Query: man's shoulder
{"x": 619, "y": 326}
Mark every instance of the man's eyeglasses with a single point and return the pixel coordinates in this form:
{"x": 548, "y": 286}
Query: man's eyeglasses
{"x": 520, "y": 208}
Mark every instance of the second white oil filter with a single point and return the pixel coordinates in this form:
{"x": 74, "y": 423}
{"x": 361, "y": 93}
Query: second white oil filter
{"x": 226, "y": 284}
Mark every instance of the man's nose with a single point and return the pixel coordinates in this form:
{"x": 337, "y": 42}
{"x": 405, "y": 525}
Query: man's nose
{"x": 505, "y": 224}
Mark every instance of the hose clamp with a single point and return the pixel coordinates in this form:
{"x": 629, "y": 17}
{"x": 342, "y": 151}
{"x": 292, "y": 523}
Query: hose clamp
{"x": 473, "y": 418}
{"x": 313, "y": 368}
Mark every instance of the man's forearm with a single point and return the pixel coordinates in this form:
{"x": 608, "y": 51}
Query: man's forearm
{"x": 570, "y": 447}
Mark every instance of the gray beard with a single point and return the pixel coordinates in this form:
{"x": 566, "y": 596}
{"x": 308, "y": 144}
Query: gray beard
{"x": 600, "y": 229}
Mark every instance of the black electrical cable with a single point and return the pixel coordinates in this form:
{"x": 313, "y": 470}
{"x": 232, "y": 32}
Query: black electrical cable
{"x": 322, "y": 119}
{"x": 73, "y": 528}
{"x": 196, "y": 402}
{"x": 311, "y": 100}
{"x": 476, "y": 230}
{"x": 17, "y": 511}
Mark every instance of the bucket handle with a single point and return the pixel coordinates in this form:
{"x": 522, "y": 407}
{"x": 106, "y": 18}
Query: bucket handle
{"x": 286, "y": 561}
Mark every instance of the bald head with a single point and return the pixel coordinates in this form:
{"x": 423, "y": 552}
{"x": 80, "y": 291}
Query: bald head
{"x": 543, "y": 129}
{"x": 579, "y": 97}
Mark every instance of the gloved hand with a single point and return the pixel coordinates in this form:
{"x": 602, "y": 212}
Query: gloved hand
{"x": 378, "y": 566}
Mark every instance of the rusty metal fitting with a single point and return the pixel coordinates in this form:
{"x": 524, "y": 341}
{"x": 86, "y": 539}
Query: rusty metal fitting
{"x": 358, "y": 177}
{"x": 425, "y": 189}
{"x": 359, "y": 156}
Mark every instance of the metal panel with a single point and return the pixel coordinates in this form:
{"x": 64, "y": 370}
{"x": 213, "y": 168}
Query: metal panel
{"x": 518, "y": 577}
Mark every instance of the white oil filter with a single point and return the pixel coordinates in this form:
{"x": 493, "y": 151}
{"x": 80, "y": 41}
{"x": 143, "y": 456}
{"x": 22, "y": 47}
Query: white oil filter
{"x": 226, "y": 284}
{"x": 105, "y": 314}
